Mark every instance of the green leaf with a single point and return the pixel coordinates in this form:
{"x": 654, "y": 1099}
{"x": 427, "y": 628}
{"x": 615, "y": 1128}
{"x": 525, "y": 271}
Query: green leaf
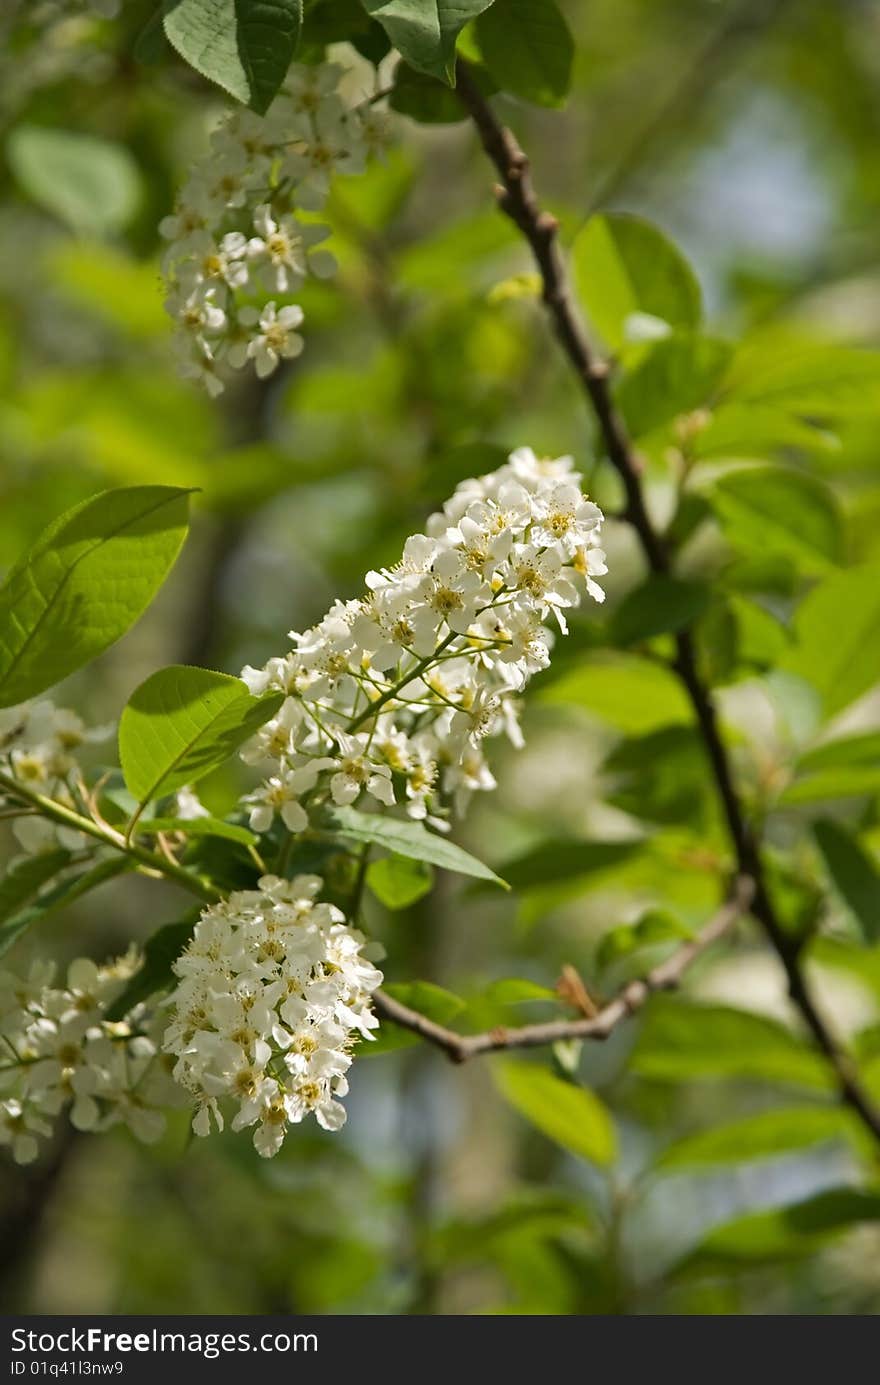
{"x": 783, "y": 1233}
{"x": 763, "y": 1136}
{"x": 820, "y": 381}
{"x": 411, "y": 839}
{"x": 658, "y": 606}
{"x": 91, "y": 184}
{"x": 673, "y": 377}
{"x": 200, "y": 827}
{"x": 161, "y": 951}
{"x": 437, "y": 1004}
{"x": 862, "y": 751}
{"x": 661, "y": 777}
{"x": 181, "y": 723}
{"x": 681, "y": 1041}
{"x": 245, "y": 46}
{"x": 62, "y": 894}
{"x": 624, "y": 268}
{"x": 528, "y": 49}
{"x": 572, "y": 1116}
{"x": 515, "y": 990}
{"x": 425, "y": 99}
{"x": 556, "y": 860}
{"x": 750, "y": 430}
{"x": 847, "y": 767}
{"x": 655, "y": 927}
{"x": 84, "y": 582}
{"x": 632, "y": 694}
{"x": 850, "y": 781}
{"x": 854, "y": 875}
{"x": 398, "y": 881}
{"x": 836, "y": 647}
{"x": 761, "y": 638}
{"x": 424, "y": 31}
{"x": 778, "y": 509}
{"x": 26, "y": 876}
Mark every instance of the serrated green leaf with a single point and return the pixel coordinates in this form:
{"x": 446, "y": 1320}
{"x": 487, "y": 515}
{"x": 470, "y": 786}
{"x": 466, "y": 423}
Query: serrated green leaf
{"x": 573, "y": 1117}
{"x": 424, "y": 31}
{"x": 625, "y": 267}
{"x": 658, "y": 606}
{"x": 528, "y": 49}
{"x": 62, "y": 894}
{"x": 161, "y": 951}
{"x": 854, "y": 874}
{"x": 84, "y": 582}
{"x": 245, "y": 46}
{"x": 836, "y": 647}
{"x": 398, "y": 881}
{"x": 682, "y": 1040}
{"x": 764, "y": 1136}
{"x": 91, "y": 184}
{"x": 411, "y": 839}
{"x": 778, "y": 509}
{"x": 183, "y": 722}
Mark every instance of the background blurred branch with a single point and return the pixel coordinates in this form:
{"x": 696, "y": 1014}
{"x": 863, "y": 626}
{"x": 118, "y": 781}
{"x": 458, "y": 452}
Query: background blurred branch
{"x": 461, "y": 1047}
{"x": 517, "y": 199}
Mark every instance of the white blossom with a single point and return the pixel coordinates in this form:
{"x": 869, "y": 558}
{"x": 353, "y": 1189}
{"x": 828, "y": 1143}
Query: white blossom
{"x": 273, "y": 992}
{"x": 237, "y": 242}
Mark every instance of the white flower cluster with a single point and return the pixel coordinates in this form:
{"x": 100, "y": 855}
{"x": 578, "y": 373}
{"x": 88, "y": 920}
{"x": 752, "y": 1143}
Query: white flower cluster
{"x": 390, "y": 697}
{"x": 38, "y": 744}
{"x": 57, "y": 1050}
{"x": 238, "y": 248}
{"x": 273, "y": 991}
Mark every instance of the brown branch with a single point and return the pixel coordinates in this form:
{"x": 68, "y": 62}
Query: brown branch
{"x": 516, "y": 197}
{"x": 461, "y": 1047}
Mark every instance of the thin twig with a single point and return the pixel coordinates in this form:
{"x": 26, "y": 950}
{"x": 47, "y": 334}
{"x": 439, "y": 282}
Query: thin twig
{"x": 108, "y": 836}
{"x": 516, "y": 197}
{"x": 461, "y": 1047}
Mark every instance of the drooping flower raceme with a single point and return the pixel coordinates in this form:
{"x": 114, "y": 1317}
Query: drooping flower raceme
{"x": 240, "y": 239}
{"x": 57, "y": 1050}
{"x": 389, "y": 700}
{"x": 273, "y": 991}
{"x": 390, "y": 697}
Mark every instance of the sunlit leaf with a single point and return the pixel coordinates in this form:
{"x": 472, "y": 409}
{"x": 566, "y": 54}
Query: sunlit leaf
{"x": 181, "y": 723}
{"x": 410, "y": 839}
{"x": 624, "y": 267}
{"x": 573, "y": 1117}
{"x": 84, "y": 582}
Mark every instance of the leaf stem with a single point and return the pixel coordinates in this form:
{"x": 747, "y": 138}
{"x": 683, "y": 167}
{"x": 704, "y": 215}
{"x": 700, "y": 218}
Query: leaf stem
{"x": 152, "y": 860}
